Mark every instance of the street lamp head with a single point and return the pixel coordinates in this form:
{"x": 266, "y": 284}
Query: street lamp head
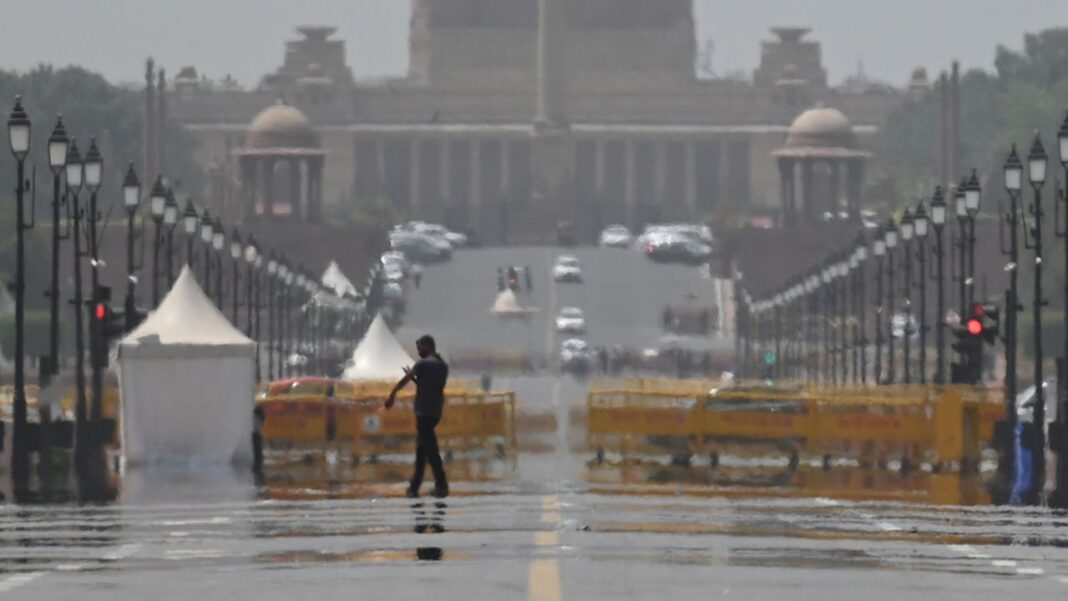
{"x": 972, "y": 195}
{"x": 938, "y": 209}
{"x": 920, "y": 221}
{"x": 170, "y": 209}
{"x": 57, "y": 147}
{"x": 158, "y": 198}
{"x": 94, "y": 166}
{"x": 235, "y": 245}
{"x": 890, "y": 234}
{"x": 131, "y": 189}
{"x": 190, "y": 218}
{"x": 960, "y": 202}
{"x": 907, "y": 225}
{"x": 18, "y": 130}
{"x": 1062, "y": 141}
{"x": 251, "y": 252}
{"x": 74, "y": 166}
{"x": 1013, "y": 171}
{"x": 218, "y": 238}
{"x": 207, "y": 227}
{"x": 1036, "y": 162}
{"x": 272, "y": 263}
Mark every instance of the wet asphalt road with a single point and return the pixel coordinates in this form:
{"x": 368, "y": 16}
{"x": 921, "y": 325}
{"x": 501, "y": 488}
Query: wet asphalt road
{"x": 542, "y": 524}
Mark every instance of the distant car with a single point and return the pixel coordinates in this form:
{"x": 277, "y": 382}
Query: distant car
{"x": 419, "y": 248}
{"x": 616, "y": 236}
{"x": 395, "y": 259}
{"x": 434, "y": 230}
{"x": 567, "y": 269}
{"x": 672, "y": 248}
{"x": 393, "y": 293}
{"x": 571, "y": 320}
{"x": 575, "y": 355}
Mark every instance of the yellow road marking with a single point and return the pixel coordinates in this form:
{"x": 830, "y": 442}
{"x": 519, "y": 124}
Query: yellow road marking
{"x": 544, "y": 580}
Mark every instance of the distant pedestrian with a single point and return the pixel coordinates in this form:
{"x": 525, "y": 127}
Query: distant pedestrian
{"x": 430, "y": 374}
{"x": 258, "y": 418}
{"x": 529, "y": 278}
{"x": 417, "y": 275}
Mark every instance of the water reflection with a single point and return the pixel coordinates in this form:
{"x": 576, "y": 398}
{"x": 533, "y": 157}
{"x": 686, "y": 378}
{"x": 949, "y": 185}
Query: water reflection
{"x": 844, "y": 483}
{"x": 429, "y": 519}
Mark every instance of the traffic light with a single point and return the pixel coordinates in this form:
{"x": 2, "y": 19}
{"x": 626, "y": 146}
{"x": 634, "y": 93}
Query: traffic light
{"x": 105, "y": 324}
{"x": 980, "y": 328}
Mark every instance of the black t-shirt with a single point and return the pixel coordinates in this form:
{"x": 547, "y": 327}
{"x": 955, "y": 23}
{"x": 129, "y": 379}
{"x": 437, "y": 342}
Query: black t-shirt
{"x": 430, "y": 374}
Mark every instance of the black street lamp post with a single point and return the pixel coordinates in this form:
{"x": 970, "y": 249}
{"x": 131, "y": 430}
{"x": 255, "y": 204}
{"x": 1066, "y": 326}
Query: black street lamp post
{"x": 131, "y": 194}
{"x": 1012, "y": 218}
{"x": 1037, "y": 160}
{"x": 75, "y": 172}
{"x": 157, "y": 200}
{"x": 907, "y": 230}
{"x": 190, "y": 223}
{"x": 170, "y": 221}
{"x": 94, "y": 171}
{"x": 861, "y": 296}
{"x": 272, "y": 270}
{"x": 972, "y": 197}
{"x": 878, "y": 249}
{"x": 18, "y": 130}
{"x": 890, "y": 237}
{"x": 963, "y": 279}
{"x": 236, "y": 250}
{"x": 938, "y": 220}
{"x": 57, "y": 160}
{"x": 921, "y": 223}
{"x": 218, "y": 243}
{"x": 207, "y": 232}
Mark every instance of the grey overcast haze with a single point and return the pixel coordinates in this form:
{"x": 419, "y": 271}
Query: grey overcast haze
{"x": 245, "y": 37}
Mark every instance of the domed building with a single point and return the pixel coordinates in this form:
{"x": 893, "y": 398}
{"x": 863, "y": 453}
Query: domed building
{"x": 281, "y": 166}
{"x": 821, "y": 167}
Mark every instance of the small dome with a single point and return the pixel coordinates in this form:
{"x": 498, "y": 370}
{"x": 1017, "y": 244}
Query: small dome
{"x": 821, "y": 126}
{"x": 281, "y": 126}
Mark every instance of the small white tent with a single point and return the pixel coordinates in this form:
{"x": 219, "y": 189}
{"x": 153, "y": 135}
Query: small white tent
{"x": 334, "y": 279}
{"x": 379, "y": 356}
{"x": 186, "y": 376}
{"x": 507, "y": 305}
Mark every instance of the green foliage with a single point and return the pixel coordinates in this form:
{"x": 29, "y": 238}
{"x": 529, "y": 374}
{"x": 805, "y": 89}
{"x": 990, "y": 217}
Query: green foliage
{"x": 1028, "y": 92}
{"x": 373, "y": 213}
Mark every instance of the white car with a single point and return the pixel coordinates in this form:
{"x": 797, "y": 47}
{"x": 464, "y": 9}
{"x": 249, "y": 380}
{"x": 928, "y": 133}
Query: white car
{"x": 571, "y": 320}
{"x": 575, "y": 355}
{"x": 567, "y": 269}
{"x": 616, "y": 236}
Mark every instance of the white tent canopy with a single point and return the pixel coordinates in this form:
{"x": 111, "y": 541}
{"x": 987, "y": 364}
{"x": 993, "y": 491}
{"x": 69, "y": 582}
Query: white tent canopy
{"x": 187, "y": 381}
{"x": 507, "y": 305}
{"x": 334, "y": 279}
{"x": 379, "y": 356}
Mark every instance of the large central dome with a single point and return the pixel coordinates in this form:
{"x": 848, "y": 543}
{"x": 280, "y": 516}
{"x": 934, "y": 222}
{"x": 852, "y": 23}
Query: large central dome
{"x": 281, "y": 126}
{"x": 821, "y": 127}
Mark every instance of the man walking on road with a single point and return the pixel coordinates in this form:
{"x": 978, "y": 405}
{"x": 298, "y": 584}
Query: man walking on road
{"x": 429, "y": 374}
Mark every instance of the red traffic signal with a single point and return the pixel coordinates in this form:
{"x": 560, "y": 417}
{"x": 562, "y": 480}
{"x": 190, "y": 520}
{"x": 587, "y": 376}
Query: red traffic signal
{"x": 975, "y": 327}
{"x": 101, "y": 312}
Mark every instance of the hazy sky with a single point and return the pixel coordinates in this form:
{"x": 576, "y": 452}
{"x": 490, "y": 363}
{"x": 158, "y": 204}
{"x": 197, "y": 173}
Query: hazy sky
{"x": 244, "y": 37}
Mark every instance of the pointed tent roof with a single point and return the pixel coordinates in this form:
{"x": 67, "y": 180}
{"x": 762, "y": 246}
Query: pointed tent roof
{"x": 187, "y": 317}
{"x": 379, "y": 356}
{"x": 507, "y": 304}
{"x": 334, "y": 279}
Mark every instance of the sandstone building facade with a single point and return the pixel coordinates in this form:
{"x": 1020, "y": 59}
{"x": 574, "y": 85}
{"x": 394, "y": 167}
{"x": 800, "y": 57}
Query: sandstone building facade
{"x": 517, "y": 114}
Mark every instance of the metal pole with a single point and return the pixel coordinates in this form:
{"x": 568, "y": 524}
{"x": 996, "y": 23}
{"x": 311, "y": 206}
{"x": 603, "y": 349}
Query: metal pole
{"x": 907, "y": 301}
{"x": 219, "y": 281}
{"x": 971, "y": 260}
{"x": 1038, "y": 451}
{"x": 878, "y": 375}
{"x": 940, "y": 317}
{"x": 890, "y": 358}
{"x": 131, "y": 301}
{"x": 270, "y": 326}
{"x": 81, "y": 402}
{"x": 170, "y": 256}
{"x": 962, "y": 247}
{"x": 235, "y": 301}
{"x": 20, "y": 457}
{"x": 155, "y": 261}
{"x": 921, "y": 257}
{"x": 53, "y": 290}
{"x": 862, "y": 302}
{"x": 95, "y": 335}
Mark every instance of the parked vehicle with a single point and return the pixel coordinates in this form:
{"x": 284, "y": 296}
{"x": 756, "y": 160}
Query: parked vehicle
{"x": 575, "y": 355}
{"x": 567, "y": 269}
{"x": 616, "y": 236}
{"x": 571, "y": 320}
{"x": 419, "y": 248}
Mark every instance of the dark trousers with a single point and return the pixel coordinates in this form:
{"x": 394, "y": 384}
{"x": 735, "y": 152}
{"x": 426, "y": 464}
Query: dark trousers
{"x": 426, "y": 449}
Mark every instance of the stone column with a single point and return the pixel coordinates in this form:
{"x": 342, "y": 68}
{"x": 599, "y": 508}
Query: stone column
{"x": 268, "y": 186}
{"x": 248, "y": 184}
{"x": 786, "y": 174}
{"x": 806, "y": 189}
{"x": 660, "y": 185}
{"x": 550, "y": 76}
{"x": 315, "y": 190}
{"x": 443, "y": 179}
{"x": 835, "y": 185}
{"x": 476, "y": 174}
{"x": 630, "y": 188}
{"x": 380, "y": 168}
{"x": 506, "y": 170}
{"x": 414, "y": 171}
{"x": 598, "y": 168}
{"x": 305, "y": 200}
{"x": 690, "y": 173}
{"x": 723, "y": 182}
{"x": 854, "y": 185}
{"x": 294, "y": 189}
